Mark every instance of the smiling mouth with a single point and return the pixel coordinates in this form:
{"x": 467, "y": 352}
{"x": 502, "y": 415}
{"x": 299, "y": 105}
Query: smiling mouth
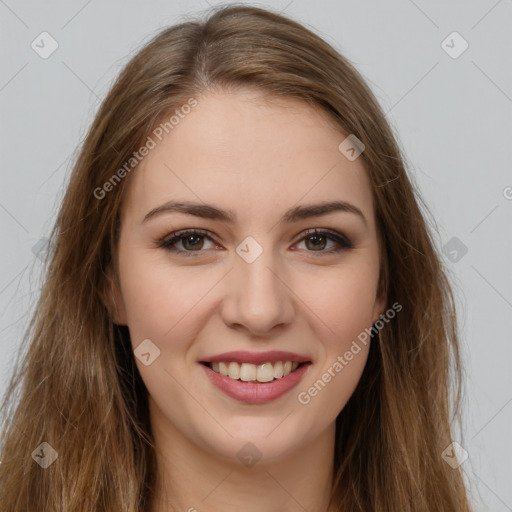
{"x": 262, "y": 373}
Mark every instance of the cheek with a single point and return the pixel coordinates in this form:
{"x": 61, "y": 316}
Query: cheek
{"x": 344, "y": 301}
{"x": 157, "y": 296}
{"x": 161, "y": 305}
{"x": 343, "y": 307}
{"x": 328, "y": 391}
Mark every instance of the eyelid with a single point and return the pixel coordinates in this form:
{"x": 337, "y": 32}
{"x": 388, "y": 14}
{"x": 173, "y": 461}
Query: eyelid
{"x": 343, "y": 242}
{"x": 171, "y": 239}
{"x": 336, "y": 235}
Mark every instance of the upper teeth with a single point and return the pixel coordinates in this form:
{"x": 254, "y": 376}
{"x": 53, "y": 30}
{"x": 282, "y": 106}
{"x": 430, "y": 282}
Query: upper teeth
{"x": 250, "y": 372}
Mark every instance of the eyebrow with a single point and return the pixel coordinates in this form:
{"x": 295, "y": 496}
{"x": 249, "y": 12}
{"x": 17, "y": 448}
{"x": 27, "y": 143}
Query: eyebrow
{"x": 294, "y": 214}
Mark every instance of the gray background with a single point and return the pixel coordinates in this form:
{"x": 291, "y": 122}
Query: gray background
{"x": 452, "y": 116}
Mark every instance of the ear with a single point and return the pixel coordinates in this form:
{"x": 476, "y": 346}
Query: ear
{"x": 113, "y": 299}
{"x": 380, "y": 304}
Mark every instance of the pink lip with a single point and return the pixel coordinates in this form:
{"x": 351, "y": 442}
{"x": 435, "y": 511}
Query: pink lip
{"x": 243, "y": 356}
{"x": 256, "y": 392}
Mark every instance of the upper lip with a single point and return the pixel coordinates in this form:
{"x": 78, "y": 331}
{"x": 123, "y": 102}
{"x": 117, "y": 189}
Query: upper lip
{"x": 243, "y": 356}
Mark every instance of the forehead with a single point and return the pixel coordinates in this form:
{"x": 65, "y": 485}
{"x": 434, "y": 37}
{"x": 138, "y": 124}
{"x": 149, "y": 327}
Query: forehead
{"x": 254, "y": 154}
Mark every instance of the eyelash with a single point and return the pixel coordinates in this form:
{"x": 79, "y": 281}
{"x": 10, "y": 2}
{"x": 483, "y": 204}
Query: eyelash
{"x": 169, "y": 241}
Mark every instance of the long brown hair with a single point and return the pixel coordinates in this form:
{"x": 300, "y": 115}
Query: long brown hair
{"x": 78, "y": 388}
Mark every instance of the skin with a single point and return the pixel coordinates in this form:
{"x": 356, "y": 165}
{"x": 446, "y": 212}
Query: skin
{"x": 258, "y": 157}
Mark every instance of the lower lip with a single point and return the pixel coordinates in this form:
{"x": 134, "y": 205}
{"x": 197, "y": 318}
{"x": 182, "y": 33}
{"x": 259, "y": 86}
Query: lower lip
{"x": 256, "y": 392}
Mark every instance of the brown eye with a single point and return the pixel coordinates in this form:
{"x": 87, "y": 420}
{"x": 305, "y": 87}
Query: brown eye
{"x": 317, "y": 241}
{"x": 192, "y": 241}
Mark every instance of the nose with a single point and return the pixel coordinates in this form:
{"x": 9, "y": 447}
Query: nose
{"x": 257, "y": 298}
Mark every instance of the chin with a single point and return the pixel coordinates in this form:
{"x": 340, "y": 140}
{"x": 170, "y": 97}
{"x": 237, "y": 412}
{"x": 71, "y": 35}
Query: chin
{"x": 264, "y": 441}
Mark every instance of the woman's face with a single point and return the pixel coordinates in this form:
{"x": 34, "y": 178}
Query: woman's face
{"x": 256, "y": 283}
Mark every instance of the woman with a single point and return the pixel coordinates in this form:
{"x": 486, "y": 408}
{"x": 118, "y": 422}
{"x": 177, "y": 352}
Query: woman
{"x": 244, "y": 308}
